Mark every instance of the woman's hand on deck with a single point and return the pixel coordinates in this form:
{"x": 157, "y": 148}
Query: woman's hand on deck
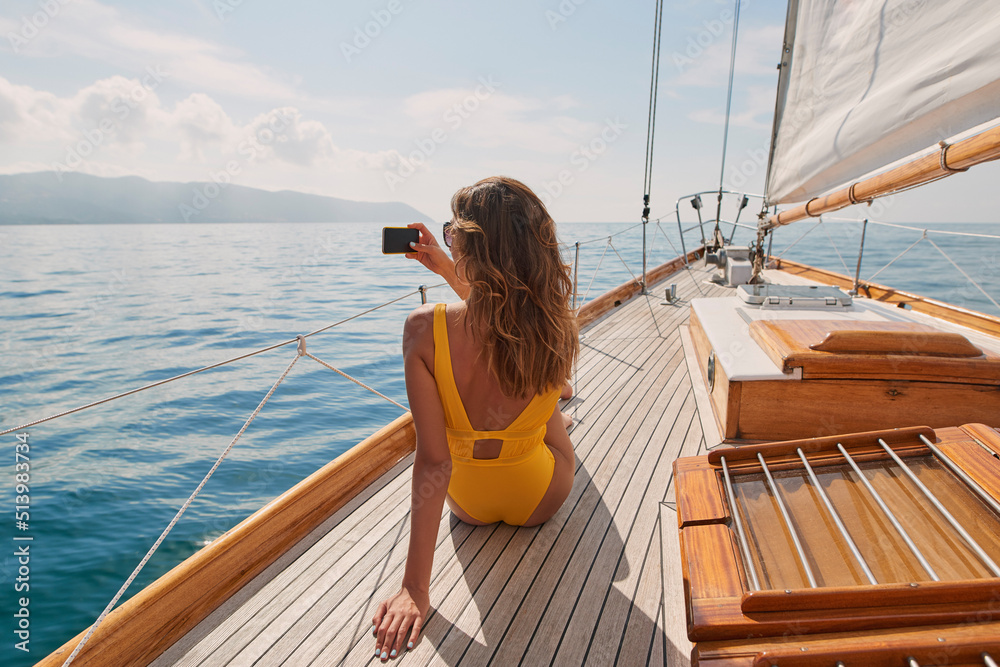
{"x": 398, "y": 622}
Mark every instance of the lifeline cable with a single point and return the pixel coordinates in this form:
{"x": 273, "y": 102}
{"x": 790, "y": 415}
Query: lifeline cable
{"x": 173, "y": 522}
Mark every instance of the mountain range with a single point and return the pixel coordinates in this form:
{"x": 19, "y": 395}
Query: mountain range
{"x": 51, "y": 197}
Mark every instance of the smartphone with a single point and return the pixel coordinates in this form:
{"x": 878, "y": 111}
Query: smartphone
{"x": 396, "y": 240}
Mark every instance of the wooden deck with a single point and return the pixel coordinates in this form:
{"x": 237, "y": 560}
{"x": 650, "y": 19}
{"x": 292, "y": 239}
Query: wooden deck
{"x": 587, "y": 587}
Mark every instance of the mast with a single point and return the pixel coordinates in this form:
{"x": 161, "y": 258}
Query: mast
{"x": 784, "y": 70}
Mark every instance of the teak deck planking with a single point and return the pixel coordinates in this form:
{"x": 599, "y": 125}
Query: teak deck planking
{"x": 599, "y": 583}
{"x": 584, "y": 587}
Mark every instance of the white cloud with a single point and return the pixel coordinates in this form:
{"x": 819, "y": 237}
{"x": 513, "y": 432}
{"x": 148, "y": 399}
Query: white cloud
{"x": 201, "y": 123}
{"x": 704, "y": 62}
{"x": 481, "y": 117}
{"x": 29, "y": 116}
{"x": 89, "y": 29}
{"x": 753, "y": 111}
{"x": 119, "y": 114}
{"x": 297, "y": 141}
{"x": 133, "y": 107}
{"x": 28, "y": 113}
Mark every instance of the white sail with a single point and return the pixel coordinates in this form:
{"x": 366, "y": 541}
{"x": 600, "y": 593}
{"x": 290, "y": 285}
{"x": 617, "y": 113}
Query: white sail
{"x": 868, "y": 82}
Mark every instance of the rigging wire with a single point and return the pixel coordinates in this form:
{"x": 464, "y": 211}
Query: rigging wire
{"x": 301, "y": 352}
{"x": 654, "y": 84}
{"x": 967, "y": 276}
{"x": 601, "y": 261}
{"x": 893, "y": 260}
{"x": 612, "y": 246}
{"x": 187, "y": 503}
{"x": 211, "y": 366}
{"x": 356, "y": 381}
{"x": 687, "y": 266}
{"x": 604, "y": 237}
{"x": 729, "y": 106}
{"x": 836, "y": 250}
{"x": 173, "y": 522}
{"x": 819, "y": 222}
{"x": 915, "y": 229}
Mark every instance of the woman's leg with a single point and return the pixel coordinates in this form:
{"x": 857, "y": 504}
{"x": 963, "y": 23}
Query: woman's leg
{"x": 558, "y": 442}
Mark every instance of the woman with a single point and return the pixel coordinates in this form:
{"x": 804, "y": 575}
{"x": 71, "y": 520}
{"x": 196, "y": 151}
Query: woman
{"x": 483, "y": 377}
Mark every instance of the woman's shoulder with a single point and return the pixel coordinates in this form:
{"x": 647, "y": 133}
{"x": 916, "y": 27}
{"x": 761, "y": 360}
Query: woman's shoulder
{"x": 421, "y": 316}
{"x": 418, "y": 332}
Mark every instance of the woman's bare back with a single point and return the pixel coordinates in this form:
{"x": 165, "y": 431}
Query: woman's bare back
{"x": 485, "y": 405}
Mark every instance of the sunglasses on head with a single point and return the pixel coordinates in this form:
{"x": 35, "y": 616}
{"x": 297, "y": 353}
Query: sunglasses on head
{"x": 447, "y": 234}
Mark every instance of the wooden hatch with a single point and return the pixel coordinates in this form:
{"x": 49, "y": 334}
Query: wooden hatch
{"x": 848, "y": 540}
{"x": 791, "y": 377}
{"x": 872, "y": 349}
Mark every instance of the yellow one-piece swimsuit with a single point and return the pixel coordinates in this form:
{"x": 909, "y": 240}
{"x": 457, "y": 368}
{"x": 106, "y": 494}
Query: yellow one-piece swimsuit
{"x": 509, "y": 487}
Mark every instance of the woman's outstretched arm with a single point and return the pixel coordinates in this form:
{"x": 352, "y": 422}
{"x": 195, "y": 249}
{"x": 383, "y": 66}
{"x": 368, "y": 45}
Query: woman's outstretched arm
{"x": 434, "y": 257}
{"x": 399, "y": 619}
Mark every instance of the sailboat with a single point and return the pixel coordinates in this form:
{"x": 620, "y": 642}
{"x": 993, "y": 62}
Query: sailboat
{"x": 752, "y": 445}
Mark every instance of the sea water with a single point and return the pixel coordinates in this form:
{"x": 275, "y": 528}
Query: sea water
{"x": 91, "y": 311}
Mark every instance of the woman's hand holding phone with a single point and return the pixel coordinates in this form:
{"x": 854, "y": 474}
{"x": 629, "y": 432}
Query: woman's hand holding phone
{"x": 429, "y": 253}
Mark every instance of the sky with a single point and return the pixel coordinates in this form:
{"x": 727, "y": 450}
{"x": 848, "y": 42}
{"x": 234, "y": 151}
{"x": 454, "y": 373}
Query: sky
{"x": 409, "y": 100}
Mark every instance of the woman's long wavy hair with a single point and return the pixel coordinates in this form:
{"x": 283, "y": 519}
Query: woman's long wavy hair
{"x": 518, "y": 305}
